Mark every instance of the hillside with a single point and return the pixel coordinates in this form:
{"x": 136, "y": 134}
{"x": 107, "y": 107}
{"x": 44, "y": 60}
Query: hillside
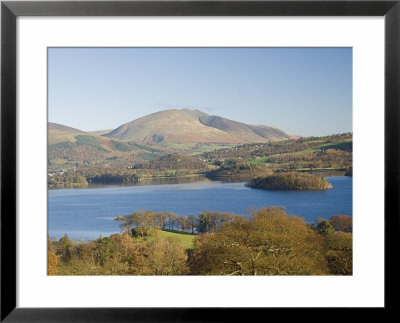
{"x": 193, "y": 126}
{"x": 56, "y": 129}
{"x": 67, "y": 145}
{"x": 329, "y": 153}
{"x": 244, "y": 132}
{"x": 59, "y": 133}
{"x": 174, "y": 162}
{"x": 170, "y": 126}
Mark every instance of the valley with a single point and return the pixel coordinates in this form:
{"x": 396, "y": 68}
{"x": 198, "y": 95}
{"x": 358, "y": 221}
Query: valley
{"x": 148, "y": 148}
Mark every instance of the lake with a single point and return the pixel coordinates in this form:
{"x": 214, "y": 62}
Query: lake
{"x": 87, "y": 213}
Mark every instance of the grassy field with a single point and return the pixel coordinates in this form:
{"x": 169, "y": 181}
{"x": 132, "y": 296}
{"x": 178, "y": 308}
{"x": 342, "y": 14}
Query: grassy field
{"x": 260, "y": 160}
{"x": 186, "y": 239}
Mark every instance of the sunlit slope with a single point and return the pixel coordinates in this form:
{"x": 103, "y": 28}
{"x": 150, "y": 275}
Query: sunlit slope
{"x": 193, "y": 126}
{"x": 170, "y": 126}
{"x": 66, "y": 144}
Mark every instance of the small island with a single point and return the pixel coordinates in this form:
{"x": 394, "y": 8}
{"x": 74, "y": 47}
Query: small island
{"x": 290, "y": 181}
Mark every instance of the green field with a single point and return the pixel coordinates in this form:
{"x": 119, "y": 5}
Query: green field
{"x": 186, "y": 239}
{"x": 260, "y": 160}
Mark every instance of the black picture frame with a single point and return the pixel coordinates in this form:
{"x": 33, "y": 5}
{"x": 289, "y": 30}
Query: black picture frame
{"x": 10, "y": 10}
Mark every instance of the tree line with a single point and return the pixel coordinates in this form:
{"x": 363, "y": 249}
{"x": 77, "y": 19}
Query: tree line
{"x": 267, "y": 242}
{"x": 141, "y": 222}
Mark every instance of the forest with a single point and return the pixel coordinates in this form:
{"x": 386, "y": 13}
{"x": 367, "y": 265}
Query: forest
{"x": 266, "y": 242}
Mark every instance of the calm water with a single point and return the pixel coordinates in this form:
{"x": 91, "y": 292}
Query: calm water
{"x": 87, "y": 213}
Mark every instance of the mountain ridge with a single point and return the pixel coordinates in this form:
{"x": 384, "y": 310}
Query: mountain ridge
{"x": 193, "y": 126}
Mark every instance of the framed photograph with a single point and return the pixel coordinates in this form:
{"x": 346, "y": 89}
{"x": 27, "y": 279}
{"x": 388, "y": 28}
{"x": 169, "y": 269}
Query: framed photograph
{"x": 193, "y": 160}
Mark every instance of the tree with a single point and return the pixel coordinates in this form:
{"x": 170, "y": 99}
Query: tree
{"x": 105, "y": 249}
{"x": 270, "y": 243}
{"x": 128, "y": 256}
{"x": 342, "y": 223}
{"x": 192, "y": 222}
{"x": 52, "y": 262}
{"x": 203, "y": 224}
{"x": 126, "y": 222}
{"x": 340, "y": 253}
{"x": 88, "y": 262}
{"x": 141, "y": 220}
{"x": 160, "y": 220}
{"x": 171, "y": 220}
{"x": 325, "y": 228}
{"x": 223, "y": 218}
{"x": 183, "y": 223}
{"x": 65, "y": 248}
{"x": 165, "y": 257}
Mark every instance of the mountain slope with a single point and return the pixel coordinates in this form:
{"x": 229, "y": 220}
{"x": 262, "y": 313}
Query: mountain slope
{"x": 59, "y": 133}
{"x": 170, "y": 126}
{"x": 246, "y": 133}
{"x": 70, "y": 145}
{"x": 59, "y": 129}
{"x": 193, "y": 126}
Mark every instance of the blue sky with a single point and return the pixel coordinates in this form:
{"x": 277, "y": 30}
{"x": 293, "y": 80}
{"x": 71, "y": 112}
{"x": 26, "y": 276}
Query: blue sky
{"x": 304, "y": 91}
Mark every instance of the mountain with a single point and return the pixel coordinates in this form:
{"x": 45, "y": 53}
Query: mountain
{"x": 193, "y": 126}
{"x": 170, "y": 126}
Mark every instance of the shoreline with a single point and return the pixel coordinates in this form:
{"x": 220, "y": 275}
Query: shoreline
{"x": 150, "y": 180}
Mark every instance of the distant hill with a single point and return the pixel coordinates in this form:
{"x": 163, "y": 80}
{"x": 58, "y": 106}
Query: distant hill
{"x": 70, "y": 145}
{"x": 59, "y": 133}
{"x": 59, "y": 129}
{"x": 193, "y": 126}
